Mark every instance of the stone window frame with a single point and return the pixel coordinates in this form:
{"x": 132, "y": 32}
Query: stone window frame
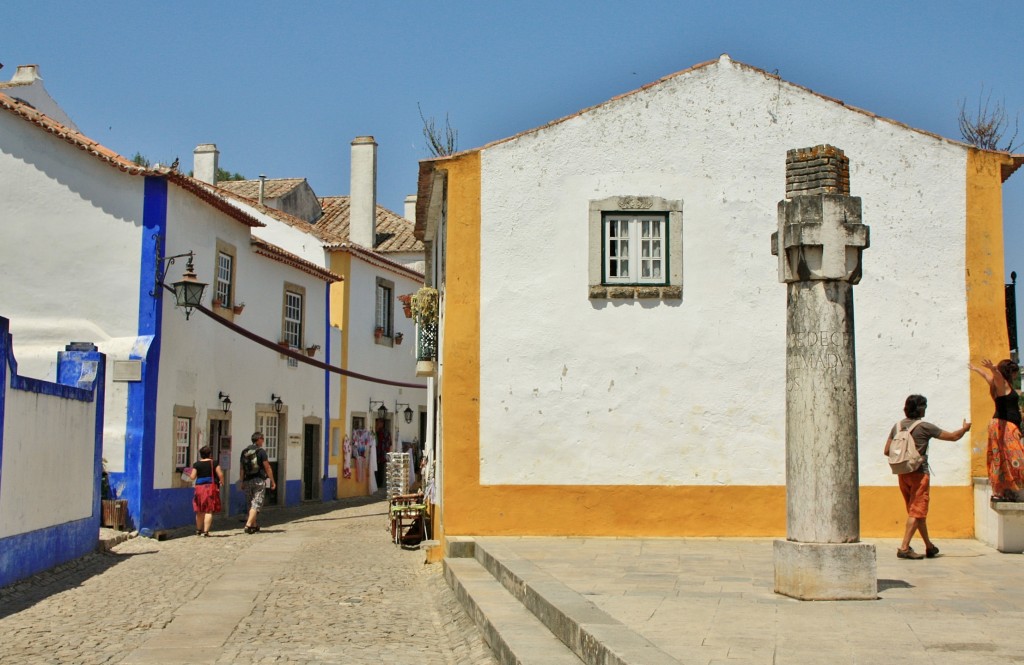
{"x": 598, "y": 289}
{"x": 182, "y": 412}
{"x": 300, "y": 293}
{"x": 384, "y": 310}
{"x": 228, "y": 250}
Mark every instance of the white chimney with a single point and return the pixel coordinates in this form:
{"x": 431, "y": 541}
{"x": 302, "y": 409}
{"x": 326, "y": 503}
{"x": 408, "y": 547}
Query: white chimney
{"x": 26, "y": 74}
{"x": 410, "y": 208}
{"x": 204, "y": 163}
{"x": 362, "y": 210}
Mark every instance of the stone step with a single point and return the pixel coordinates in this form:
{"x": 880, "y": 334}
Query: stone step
{"x": 515, "y": 635}
{"x": 589, "y": 632}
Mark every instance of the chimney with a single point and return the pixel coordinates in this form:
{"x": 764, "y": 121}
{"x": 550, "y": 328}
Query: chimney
{"x": 362, "y": 211}
{"x": 410, "y": 208}
{"x": 26, "y": 74}
{"x": 263, "y": 188}
{"x": 204, "y": 163}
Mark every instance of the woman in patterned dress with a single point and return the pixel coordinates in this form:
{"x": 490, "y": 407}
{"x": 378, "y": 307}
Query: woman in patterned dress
{"x": 1005, "y": 455}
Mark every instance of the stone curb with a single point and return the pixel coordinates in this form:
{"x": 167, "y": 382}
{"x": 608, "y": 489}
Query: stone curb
{"x": 588, "y": 631}
{"x": 516, "y": 636}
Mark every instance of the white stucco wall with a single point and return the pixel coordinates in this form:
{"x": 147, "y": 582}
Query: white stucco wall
{"x": 396, "y": 363}
{"x": 72, "y": 237}
{"x": 200, "y": 358}
{"x": 584, "y": 392}
{"x": 49, "y": 444}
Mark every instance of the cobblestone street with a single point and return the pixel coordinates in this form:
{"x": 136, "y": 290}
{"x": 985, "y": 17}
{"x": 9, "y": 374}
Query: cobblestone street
{"x": 319, "y": 584}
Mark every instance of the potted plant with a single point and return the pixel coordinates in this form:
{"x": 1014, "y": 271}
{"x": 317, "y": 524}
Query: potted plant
{"x": 217, "y": 302}
{"x": 311, "y": 350}
{"x": 378, "y": 332}
{"x": 399, "y": 337}
{"x": 239, "y": 307}
{"x": 406, "y": 301}
{"x": 424, "y": 306}
{"x": 284, "y": 343}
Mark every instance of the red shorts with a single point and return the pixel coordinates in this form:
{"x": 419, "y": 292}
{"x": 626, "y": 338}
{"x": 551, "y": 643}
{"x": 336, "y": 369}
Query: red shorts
{"x": 914, "y": 487}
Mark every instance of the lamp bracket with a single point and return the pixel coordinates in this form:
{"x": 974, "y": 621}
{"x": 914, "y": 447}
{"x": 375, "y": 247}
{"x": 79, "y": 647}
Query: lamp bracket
{"x": 164, "y": 263}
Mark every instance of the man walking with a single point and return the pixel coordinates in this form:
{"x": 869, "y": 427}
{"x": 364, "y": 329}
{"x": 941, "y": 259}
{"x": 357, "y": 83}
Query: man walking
{"x": 253, "y": 473}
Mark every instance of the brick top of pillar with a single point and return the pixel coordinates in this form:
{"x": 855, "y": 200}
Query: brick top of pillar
{"x": 823, "y": 169}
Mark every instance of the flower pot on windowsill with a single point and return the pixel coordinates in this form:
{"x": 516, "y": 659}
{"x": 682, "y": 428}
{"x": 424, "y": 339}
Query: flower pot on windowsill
{"x": 311, "y": 350}
{"x": 378, "y": 332}
{"x": 217, "y": 303}
{"x": 284, "y": 344}
{"x": 399, "y": 337}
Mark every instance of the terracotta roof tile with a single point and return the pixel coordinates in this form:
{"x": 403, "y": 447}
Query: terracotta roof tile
{"x": 283, "y": 217}
{"x": 284, "y": 256}
{"x": 274, "y": 187}
{"x": 394, "y": 233}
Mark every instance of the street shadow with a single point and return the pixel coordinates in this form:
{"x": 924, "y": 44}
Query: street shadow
{"x": 24, "y": 594}
{"x": 349, "y": 517}
{"x": 884, "y": 585}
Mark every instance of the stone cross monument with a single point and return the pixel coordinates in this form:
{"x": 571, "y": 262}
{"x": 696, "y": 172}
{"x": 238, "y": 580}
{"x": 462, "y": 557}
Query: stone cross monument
{"x": 819, "y": 245}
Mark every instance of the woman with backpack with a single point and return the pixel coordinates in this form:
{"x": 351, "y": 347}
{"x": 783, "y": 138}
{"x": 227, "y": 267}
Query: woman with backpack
{"x": 915, "y": 485}
{"x": 1004, "y": 454}
{"x": 207, "y": 476}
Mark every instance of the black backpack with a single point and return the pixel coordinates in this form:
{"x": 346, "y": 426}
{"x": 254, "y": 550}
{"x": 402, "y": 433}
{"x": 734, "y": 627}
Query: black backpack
{"x": 250, "y": 462}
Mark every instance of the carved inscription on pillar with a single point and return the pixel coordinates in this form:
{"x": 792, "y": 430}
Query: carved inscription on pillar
{"x": 826, "y": 350}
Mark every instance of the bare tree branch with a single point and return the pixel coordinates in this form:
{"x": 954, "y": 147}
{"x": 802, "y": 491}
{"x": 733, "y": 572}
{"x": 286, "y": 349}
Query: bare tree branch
{"x": 986, "y": 127}
{"x": 439, "y": 144}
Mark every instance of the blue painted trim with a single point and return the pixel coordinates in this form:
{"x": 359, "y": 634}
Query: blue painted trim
{"x": 329, "y": 489}
{"x": 136, "y": 483}
{"x": 26, "y": 554}
{"x": 324, "y": 496}
{"x": 6, "y": 358}
{"x": 292, "y": 492}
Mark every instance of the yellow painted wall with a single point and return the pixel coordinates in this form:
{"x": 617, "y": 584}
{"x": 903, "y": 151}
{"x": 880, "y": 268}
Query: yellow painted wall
{"x": 986, "y": 277}
{"x": 341, "y": 263}
{"x": 629, "y": 510}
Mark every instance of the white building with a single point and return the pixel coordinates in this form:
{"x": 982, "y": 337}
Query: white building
{"x": 379, "y": 258}
{"x": 639, "y": 391}
{"x": 86, "y": 232}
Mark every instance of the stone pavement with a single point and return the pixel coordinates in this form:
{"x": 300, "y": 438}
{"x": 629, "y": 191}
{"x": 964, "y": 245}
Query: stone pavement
{"x": 319, "y": 584}
{"x": 711, "y": 601}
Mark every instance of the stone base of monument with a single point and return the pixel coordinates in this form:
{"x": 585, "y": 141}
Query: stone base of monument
{"x": 998, "y": 525}
{"x": 826, "y": 571}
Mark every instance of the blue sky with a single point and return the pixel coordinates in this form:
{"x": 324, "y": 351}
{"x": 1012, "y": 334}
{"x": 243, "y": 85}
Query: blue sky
{"x": 282, "y": 88}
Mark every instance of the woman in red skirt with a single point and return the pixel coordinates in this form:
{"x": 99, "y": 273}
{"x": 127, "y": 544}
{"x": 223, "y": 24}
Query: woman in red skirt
{"x": 207, "y": 476}
{"x": 1005, "y": 453}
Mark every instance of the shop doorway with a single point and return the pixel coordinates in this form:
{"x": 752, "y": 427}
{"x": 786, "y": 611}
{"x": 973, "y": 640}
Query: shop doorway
{"x": 310, "y": 462}
{"x": 220, "y": 445}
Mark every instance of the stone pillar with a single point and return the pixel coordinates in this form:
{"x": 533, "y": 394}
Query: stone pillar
{"x": 819, "y": 244}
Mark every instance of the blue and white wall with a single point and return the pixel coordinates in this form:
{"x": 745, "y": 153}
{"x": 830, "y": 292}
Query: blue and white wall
{"x": 50, "y": 462}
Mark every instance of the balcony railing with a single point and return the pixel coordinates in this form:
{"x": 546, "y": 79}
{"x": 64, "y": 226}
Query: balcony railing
{"x": 426, "y": 342}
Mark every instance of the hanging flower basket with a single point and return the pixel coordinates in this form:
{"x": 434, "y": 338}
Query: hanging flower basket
{"x": 424, "y": 306}
{"x": 399, "y": 337}
{"x": 239, "y": 307}
{"x": 311, "y": 350}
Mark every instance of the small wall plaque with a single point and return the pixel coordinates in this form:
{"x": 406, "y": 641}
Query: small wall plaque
{"x": 127, "y": 370}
